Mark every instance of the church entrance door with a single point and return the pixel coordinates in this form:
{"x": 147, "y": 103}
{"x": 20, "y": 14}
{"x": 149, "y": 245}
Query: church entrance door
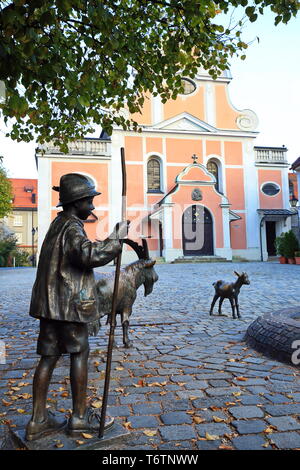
{"x": 197, "y": 231}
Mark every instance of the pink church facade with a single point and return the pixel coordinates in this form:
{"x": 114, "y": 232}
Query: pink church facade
{"x": 197, "y": 184}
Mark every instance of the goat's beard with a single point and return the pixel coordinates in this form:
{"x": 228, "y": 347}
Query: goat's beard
{"x": 148, "y": 289}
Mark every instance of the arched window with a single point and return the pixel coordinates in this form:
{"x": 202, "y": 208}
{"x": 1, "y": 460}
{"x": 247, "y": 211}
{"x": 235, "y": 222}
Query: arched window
{"x": 154, "y": 175}
{"x": 213, "y": 168}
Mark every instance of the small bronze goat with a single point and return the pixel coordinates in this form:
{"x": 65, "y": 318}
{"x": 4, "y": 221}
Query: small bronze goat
{"x": 132, "y": 277}
{"x": 230, "y": 291}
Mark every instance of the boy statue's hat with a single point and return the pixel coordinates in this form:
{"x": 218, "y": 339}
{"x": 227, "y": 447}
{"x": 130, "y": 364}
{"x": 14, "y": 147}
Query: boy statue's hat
{"x": 74, "y": 186}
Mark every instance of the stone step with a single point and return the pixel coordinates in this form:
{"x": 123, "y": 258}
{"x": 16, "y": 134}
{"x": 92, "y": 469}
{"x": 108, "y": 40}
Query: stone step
{"x": 200, "y": 259}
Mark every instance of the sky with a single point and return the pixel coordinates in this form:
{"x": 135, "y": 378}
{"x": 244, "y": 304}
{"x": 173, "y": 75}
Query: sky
{"x": 267, "y": 82}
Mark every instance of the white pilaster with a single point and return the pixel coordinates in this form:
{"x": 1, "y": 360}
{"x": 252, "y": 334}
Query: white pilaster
{"x": 167, "y": 228}
{"x": 226, "y": 251}
{"x": 115, "y": 179}
{"x": 285, "y": 188}
{"x": 251, "y": 196}
{"x": 44, "y": 198}
{"x": 157, "y": 110}
{"x": 210, "y": 108}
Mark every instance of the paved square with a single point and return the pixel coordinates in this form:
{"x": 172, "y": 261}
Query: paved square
{"x": 189, "y": 382}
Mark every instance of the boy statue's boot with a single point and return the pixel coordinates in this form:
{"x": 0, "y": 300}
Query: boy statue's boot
{"x": 36, "y": 430}
{"x": 89, "y": 423}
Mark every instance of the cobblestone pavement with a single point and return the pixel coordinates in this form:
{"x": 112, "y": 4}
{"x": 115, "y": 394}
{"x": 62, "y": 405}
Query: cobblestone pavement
{"x": 189, "y": 381}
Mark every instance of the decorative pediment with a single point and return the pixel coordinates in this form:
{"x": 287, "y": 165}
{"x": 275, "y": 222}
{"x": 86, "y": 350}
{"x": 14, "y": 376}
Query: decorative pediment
{"x": 184, "y": 122}
{"x": 195, "y": 173}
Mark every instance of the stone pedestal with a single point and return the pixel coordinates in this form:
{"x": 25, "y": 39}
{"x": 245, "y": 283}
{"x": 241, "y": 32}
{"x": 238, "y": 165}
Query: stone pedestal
{"x": 62, "y": 441}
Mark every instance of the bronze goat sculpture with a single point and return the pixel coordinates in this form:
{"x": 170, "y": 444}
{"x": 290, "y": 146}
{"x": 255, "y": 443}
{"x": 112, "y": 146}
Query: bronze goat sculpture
{"x": 230, "y": 291}
{"x": 132, "y": 277}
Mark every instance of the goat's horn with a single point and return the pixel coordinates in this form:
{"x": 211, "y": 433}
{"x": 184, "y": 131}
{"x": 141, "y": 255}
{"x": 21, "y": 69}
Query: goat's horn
{"x": 135, "y": 246}
{"x": 237, "y": 274}
{"x": 145, "y": 248}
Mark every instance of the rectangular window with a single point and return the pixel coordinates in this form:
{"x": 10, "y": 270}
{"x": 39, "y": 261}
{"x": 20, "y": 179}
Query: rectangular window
{"x": 18, "y": 220}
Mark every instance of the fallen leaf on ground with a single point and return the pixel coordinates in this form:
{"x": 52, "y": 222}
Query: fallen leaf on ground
{"x": 119, "y": 368}
{"x": 6, "y": 403}
{"x": 211, "y": 437}
{"x": 236, "y": 394}
{"x": 25, "y": 396}
{"x": 218, "y": 420}
{"x": 79, "y": 442}
{"x": 96, "y": 404}
{"x": 230, "y": 435}
{"x": 127, "y": 425}
{"x": 20, "y": 410}
{"x": 198, "y": 420}
{"x": 157, "y": 384}
{"x": 86, "y": 436}
{"x": 230, "y": 403}
{"x": 270, "y": 429}
{"x": 59, "y": 444}
{"x": 215, "y": 408}
{"x": 149, "y": 433}
{"x": 225, "y": 447}
{"x": 242, "y": 379}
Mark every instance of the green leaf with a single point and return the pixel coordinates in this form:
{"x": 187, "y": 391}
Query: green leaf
{"x": 73, "y": 59}
{"x": 84, "y": 101}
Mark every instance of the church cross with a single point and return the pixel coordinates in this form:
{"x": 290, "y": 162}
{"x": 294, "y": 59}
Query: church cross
{"x": 195, "y": 158}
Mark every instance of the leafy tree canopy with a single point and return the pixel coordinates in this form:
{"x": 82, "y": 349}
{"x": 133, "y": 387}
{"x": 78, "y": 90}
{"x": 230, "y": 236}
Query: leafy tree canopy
{"x": 65, "y": 63}
{"x": 6, "y": 194}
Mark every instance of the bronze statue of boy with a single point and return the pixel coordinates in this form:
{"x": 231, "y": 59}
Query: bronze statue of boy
{"x": 65, "y": 301}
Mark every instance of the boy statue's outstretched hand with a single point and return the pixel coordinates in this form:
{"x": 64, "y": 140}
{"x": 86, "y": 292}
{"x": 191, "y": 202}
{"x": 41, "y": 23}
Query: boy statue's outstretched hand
{"x": 121, "y": 230}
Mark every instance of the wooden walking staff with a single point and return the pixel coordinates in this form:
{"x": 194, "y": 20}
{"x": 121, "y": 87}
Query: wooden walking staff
{"x": 113, "y": 308}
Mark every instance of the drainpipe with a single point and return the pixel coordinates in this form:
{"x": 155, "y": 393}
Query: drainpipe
{"x": 260, "y": 237}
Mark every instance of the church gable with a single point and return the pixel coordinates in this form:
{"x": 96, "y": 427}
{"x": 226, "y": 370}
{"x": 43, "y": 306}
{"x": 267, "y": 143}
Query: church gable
{"x": 185, "y": 122}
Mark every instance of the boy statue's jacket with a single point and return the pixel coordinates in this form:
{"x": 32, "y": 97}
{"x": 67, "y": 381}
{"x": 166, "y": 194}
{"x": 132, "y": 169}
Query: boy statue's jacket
{"x": 65, "y": 286}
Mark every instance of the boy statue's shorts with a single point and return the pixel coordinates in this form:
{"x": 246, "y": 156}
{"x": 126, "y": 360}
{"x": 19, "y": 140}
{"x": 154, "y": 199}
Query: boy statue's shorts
{"x": 61, "y": 337}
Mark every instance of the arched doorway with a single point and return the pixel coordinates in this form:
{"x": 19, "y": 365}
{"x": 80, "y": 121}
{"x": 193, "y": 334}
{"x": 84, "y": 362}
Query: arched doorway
{"x": 197, "y": 231}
